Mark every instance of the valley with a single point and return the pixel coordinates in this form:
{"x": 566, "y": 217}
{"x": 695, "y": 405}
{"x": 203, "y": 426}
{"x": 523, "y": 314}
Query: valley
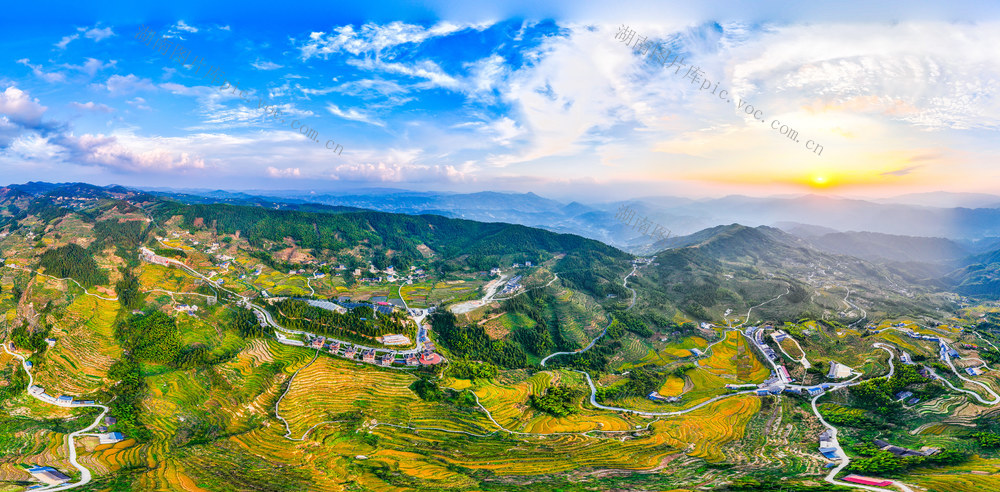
{"x": 359, "y": 350}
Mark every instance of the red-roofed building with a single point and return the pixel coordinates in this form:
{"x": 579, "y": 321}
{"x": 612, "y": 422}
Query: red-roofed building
{"x": 878, "y": 482}
{"x": 429, "y": 358}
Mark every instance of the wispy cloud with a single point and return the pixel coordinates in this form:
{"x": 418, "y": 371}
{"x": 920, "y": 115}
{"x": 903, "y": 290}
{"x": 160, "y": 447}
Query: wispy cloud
{"x": 353, "y": 114}
{"x": 266, "y": 65}
{"x": 42, "y": 74}
{"x": 92, "y": 106}
{"x": 901, "y": 172}
{"x": 118, "y": 85}
{"x": 66, "y": 40}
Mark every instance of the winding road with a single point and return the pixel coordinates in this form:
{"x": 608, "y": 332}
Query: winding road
{"x": 593, "y": 342}
{"x": 85, "y": 475}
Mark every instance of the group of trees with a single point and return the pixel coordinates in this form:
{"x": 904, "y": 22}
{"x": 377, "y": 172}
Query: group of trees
{"x": 151, "y": 337}
{"x": 72, "y": 261}
{"x": 361, "y": 320}
{"x": 558, "y": 401}
{"x": 987, "y": 439}
{"x": 540, "y": 339}
{"x": 430, "y": 391}
{"x": 129, "y": 234}
{"x": 244, "y": 322}
{"x": 127, "y": 289}
{"x": 878, "y": 395}
{"x": 640, "y": 382}
{"x": 126, "y": 395}
{"x": 884, "y": 462}
{"x": 32, "y": 339}
{"x": 472, "y": 342}
{"x": 463, "y": 369}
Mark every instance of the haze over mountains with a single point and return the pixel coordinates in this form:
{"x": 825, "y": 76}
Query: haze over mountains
{"x": 974, "y": 230}
{"x": 946, "y": 246}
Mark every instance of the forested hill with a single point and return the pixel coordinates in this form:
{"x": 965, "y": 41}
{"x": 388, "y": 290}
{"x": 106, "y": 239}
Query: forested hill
{"x": 400, "y": 238}
{"x": 736, "y": 267}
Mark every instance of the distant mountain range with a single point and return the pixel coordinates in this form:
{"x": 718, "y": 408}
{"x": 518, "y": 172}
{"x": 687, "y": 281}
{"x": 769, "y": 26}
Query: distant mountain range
{"x": 957, "y": 246}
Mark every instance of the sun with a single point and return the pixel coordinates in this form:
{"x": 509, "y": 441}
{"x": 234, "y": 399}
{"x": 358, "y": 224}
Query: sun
{"x": 820, "y": 180}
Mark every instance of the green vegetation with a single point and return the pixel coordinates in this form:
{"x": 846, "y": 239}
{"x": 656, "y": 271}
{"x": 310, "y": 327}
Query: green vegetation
{"x": 72, "y": 261}
{"x": 126, "y": 395}
{"x": 879, "y": 394}
{"x": 987, "y": 439}
{"x": 128, "y": 291}
{"x": 640, "y": 382}
{"x": 362, "y": 320}
{"x": 472, "y": 342}
{"x": 558, "y": 401}
{"x": 884, "y": 462}
{"x": 149, "y": 337}
{"x": 244, "y": 322}
{"x": 472, "y": 370}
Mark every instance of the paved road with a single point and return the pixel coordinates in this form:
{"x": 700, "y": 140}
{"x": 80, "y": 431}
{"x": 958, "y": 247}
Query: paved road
{"x": 593, "y": 401}
{"x": 270, "y": 320}
{"x": 593, "y": 342}
{"x": 846, "y": 460}
{"x": 996, "y": 397}
{"x": 85, "y": 475}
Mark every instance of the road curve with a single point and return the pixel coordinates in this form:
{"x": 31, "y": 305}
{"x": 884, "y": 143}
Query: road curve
{"x": 594, "y": 341}
{"x": 85, "y": 475}
{"x": 846, "y": 460}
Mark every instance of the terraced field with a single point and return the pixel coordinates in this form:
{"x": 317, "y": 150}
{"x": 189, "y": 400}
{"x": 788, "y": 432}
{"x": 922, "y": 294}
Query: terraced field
{"x": 725, "y": 356}
{"x": 509, "y": 406}
{"x": 85, "y": 348}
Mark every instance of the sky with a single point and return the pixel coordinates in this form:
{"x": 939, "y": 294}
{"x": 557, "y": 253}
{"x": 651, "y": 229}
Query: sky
{"x": 564, "y": 99}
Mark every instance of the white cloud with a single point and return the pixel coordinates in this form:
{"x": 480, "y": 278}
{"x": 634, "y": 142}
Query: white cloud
{"x": 19, "y": 108}
{"x": 118, "y": 85}
{"x": 46, "y": 76}
{"x": 91, "y": 66}
{"x": 182, "y": 26}
{"x": 931, "y": 74}
{"x": 353, "y": 114}
{"x": 266, "y": 65}
{"x": 288, "y": 172}
{"x": 139, "y": 103}
{"x": 110, "y": 152}
{"x": 66, "y": 40}
{"x": 98, "y": 34}
{"x": 394, "y": 172}
{"x": 373, "y": 38}
{"x": 92, "y": 106}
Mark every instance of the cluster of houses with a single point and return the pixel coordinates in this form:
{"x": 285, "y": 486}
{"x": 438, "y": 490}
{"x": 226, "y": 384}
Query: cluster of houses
{"x": 427, "y": 356}
{"x": 62, "y": 401}
{"x": 757, "y": 335}
{"x": 187, "y": 308}
{"x": 148, "y": 256}
{"x": 947, "y": 351}
{"x": 512, "y": 285}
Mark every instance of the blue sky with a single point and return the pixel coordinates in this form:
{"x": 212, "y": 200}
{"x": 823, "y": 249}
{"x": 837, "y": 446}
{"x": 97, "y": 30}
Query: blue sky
{"x": 519, "y": 96}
